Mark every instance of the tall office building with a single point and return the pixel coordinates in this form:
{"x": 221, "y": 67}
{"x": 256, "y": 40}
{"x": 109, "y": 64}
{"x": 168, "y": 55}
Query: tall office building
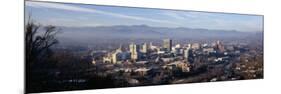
{"x": 114, "y": 57}
{"x": 219, "y": 46}
{"x": 167, "y": 44}
{"x": 134, "y": 49}
{"x": 144, "y": 48}
{"x": 186, "y": 53}
{"x": 150, "y": 45}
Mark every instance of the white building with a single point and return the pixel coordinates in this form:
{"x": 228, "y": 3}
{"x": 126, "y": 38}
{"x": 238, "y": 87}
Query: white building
{"x": 134, "y": 49}
{"x": 167, "y": 44}
{"x": 208, "y": 50}
{"x": 186, "y": 53}
{"x": 195, "y": 46}
{"x": 144, "y": 48}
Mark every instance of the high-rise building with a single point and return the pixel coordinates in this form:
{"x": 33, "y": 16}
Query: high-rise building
{"x": 219, "y": 46}
{"x": 114, "y": 58}
{"x": 144, "y": 48}
{"x": 134, "y": 49}
{"x": 186, "y": 53}
{"x": 116, "y": 55}
{"x": 167, "y": 44}
{"x": 151, "y": 46}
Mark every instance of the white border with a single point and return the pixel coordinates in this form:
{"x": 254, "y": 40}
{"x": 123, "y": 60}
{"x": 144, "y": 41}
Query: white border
{"x": 11, "y": 48}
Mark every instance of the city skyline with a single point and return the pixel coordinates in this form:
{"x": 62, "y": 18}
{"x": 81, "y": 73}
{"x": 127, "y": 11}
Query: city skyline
{"x": 77, "y": 15}
{"x": 79, "y": 46}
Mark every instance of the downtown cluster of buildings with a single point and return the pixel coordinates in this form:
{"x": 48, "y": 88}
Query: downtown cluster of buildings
{"x": 144, "y": 52}
{"x": 167, "y": 56}
{"x": 166, "y": 60}
{"x": 140, "y": 53}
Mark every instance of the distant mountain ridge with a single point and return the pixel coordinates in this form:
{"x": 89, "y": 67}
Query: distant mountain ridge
{"x": 144, "y": 31}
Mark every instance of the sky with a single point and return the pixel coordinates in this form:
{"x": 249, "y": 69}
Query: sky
{"x": 82, "y": 15}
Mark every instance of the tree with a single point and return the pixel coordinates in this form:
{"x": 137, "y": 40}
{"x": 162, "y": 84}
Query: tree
{"x": 36, "y": 44}
{"x": 38, "y": 53}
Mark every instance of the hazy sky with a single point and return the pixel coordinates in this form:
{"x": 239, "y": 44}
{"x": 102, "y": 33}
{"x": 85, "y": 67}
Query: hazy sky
{"x": 80, "y": 15}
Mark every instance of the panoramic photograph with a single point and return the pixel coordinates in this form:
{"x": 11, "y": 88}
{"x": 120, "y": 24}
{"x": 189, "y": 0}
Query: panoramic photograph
{"x": 71, "y": 46}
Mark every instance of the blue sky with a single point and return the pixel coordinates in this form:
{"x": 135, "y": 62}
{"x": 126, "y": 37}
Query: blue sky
{"x": 79, "y": 15}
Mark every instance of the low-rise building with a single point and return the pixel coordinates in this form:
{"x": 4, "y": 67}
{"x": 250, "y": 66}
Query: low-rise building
{"x": 184, "y": 67}
{"x": 142, "y": 71}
